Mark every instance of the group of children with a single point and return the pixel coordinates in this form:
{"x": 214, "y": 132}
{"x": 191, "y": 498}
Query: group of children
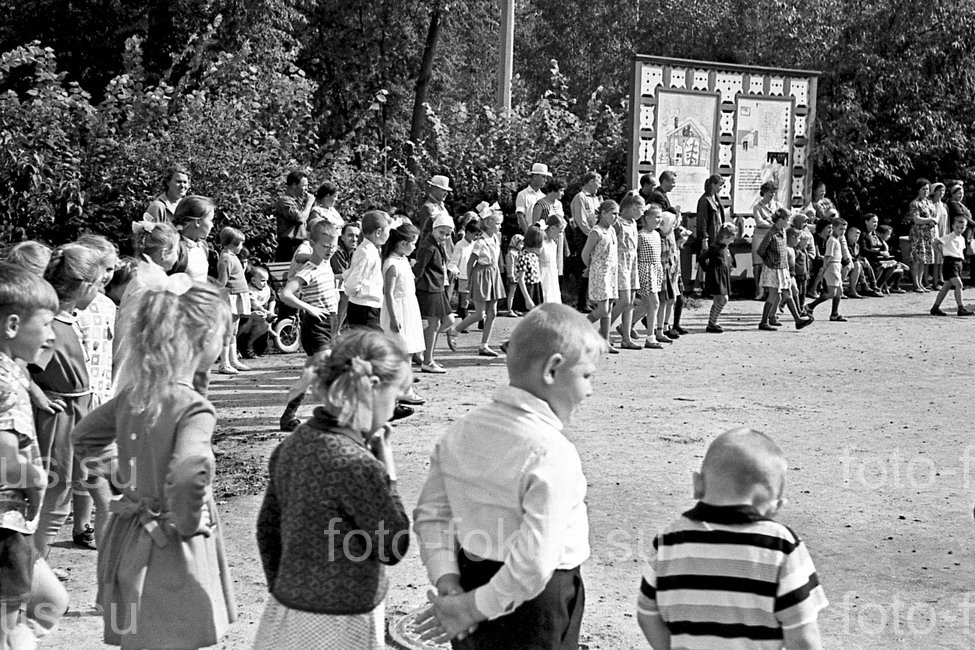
{"x": 104, "y": 367}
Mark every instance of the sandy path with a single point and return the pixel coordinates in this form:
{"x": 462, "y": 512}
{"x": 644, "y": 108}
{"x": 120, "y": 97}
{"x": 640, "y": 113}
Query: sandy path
{"x": 873, "y": 415}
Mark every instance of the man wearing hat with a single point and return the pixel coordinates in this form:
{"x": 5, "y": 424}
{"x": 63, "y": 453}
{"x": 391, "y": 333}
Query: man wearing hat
{"x": 528, "y": 197}
{"x": 437, "y": 189}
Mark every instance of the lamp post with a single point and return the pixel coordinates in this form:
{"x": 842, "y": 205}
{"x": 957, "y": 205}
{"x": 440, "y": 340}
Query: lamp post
{"x": 506, "y": 55}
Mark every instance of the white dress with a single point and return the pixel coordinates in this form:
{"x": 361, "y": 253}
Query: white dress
{"x": 405, "y": 306}
{"x": 548, "y": 264}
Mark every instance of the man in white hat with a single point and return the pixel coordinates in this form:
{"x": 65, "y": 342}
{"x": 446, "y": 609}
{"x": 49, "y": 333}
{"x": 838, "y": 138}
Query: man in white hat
{"x": 437, "y": 189}
{"x": 528, "y": 197}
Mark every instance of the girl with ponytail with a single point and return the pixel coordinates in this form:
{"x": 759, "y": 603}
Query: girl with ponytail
{"x": 161, "y": 557}
{"x": 61, "y": 393}
{"x": 331, "y": 516}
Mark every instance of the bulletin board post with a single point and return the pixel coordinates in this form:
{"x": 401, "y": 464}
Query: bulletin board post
{"x": 748, "y": 124}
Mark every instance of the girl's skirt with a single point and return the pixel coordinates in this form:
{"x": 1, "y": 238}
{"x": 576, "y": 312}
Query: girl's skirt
{"x": 535, "y": 291}
{"x": 240, "y": 304}
{"x": 432, "y": 304}
{"x": 283, "y": 628}
{"x": 776, "y": 278}
{"x": 485, "y": 283}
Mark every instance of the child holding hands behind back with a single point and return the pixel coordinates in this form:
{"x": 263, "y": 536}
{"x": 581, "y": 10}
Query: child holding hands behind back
{"x": 502, "y": 520}
{"x": 163, "y": 577}
{"x": 331, "y": 516}
{"x": 27, "y": 308}
{"x": 726, "y": 574}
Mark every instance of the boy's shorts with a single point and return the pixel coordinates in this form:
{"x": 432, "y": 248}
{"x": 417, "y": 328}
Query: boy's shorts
{"x": 316, "y": 335}
{"x": 951, "y": 268}
{"x": 16, "y": 567}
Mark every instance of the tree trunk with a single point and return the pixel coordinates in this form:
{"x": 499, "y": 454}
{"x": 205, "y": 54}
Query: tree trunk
{"x": 416, "y": 124}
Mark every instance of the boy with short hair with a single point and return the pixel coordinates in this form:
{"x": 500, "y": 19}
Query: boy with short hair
{"x": 952, "y": 247}
{"x": 312, "y": 292}
{"x": 502, "y": 520}
{"x": 832, "y": 271}
{"x": 27, "y": 308}
{"x": 726, "y": 575}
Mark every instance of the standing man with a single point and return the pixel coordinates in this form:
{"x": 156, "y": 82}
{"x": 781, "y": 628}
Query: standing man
{"x": 528, "y": 197}
{"x": 162, "y": 208}
{"x": 291, "y": 218}
{"x": 668, "y": 179}
{"x": 647, "y": 185}
{"x": 585, "y": 204}
{"x": 437, "y": 189}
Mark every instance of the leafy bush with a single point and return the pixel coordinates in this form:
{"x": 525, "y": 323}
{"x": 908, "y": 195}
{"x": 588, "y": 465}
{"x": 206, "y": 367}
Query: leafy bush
{"x": 488, "y": 154}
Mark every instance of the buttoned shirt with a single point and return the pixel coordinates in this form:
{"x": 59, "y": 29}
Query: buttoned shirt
{"x": 364, "y": 280}
{"x": 953, "y": 245}
{"x": 16, "y": 417}
{"x": 584, "y": 208}
{"x": 161, "y": 209}
{"x": 506, "y": 485}
{"x": 525, "y": 204}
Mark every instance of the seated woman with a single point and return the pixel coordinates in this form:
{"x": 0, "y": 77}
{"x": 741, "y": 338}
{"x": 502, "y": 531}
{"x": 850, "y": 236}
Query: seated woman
{"x": 873, "y": 249}
{"x": 864, "y": 268}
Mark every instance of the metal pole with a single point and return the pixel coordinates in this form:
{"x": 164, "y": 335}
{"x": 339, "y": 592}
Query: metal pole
{"x": 506, "y": 55}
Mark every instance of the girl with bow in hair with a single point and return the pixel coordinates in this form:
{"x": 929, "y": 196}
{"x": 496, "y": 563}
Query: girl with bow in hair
{"x": 156, "y": 250}
{"x": 163, "y": 580}
{"x": 331, "y": 517}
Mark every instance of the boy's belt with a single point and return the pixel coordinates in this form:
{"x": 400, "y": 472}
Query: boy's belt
{"x": 57, "y": 393}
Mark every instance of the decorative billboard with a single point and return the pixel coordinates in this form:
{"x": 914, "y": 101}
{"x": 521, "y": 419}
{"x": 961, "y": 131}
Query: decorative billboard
{"x": 746, "y": 123}
{"x": 686, "y": 127}
{"x": 763, "y": 134}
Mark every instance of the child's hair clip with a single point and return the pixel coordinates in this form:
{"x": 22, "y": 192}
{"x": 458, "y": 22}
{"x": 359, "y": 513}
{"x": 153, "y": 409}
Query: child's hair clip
{"x": 143, "y": 226}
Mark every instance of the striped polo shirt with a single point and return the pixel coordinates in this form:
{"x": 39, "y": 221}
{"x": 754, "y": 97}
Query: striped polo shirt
{"x": 727, "y": 577}
{"x": 319, "y": 289}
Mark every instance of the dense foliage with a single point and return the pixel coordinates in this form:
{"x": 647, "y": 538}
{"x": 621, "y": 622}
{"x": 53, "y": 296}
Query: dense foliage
{"x": 243, "y": 90}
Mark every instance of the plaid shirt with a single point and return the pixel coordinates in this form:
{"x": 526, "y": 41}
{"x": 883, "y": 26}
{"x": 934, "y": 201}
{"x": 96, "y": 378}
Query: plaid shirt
{"x": 773, "y": 250}
{"x": 669, "y": 255}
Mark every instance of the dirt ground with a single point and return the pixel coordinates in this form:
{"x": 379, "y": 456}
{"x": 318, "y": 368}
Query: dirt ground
{"x": 874, "y": 416}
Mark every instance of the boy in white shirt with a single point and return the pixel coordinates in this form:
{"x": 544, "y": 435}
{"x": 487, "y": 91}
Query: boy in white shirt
{"x": 502, "y": 519}
{"x": 457, "y": 265}
{"x": 952, "y": 247}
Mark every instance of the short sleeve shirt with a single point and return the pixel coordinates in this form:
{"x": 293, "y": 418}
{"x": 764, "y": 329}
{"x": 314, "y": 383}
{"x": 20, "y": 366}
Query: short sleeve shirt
{"x": 319, "y": 289}
{"x": 527, "y": 263}
{"x": 16, "y": 416}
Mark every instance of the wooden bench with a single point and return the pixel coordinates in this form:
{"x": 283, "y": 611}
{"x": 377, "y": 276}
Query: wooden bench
{"x": 279, "y": 274}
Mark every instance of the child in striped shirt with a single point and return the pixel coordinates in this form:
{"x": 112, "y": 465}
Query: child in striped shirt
{"x": 725, "y": 574}
{"x": 313, "y": 293}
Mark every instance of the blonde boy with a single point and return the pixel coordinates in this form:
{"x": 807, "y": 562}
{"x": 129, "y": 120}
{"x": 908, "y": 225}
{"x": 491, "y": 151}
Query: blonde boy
{"x": 502, "y": 519}
{"x": 312, "y": 291}
{"x": 27, "y": 307}
{"x": 725, "y": 575}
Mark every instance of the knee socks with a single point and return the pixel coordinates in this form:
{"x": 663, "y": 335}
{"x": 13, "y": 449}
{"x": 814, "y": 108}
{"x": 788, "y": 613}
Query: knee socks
{"x": 678, "y": 309}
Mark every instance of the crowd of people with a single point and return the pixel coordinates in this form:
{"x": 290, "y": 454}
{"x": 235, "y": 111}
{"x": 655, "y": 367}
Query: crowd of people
{"x": 105, "y": 366}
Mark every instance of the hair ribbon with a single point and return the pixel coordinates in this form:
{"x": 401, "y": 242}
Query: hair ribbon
{"x": 177, "y": 284}
{"x": 143, "y": 226}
